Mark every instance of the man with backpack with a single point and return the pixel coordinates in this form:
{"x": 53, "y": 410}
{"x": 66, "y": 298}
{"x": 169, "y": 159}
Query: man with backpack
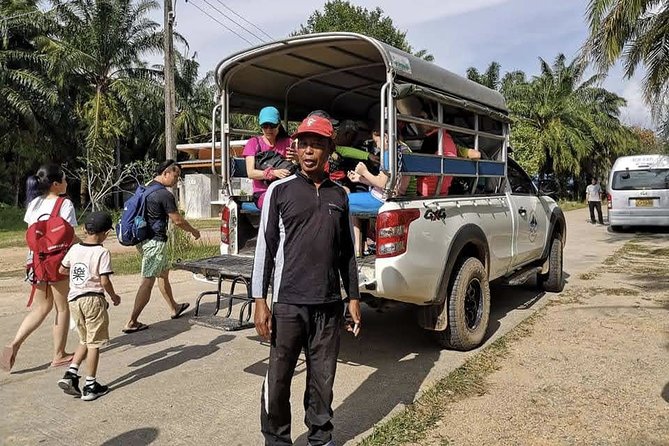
{"x": 161, "y": 207}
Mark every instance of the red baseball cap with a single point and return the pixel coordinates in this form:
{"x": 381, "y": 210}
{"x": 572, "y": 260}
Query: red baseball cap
{"x": 315, "y": 124}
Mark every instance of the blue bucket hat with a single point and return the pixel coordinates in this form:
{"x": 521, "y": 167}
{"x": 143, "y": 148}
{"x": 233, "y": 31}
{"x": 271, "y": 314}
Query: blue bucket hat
{"x": 269, "y": 115}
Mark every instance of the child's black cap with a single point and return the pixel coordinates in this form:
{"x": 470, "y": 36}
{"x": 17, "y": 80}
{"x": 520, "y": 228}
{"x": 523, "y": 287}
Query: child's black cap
{"x": 98, "y": 222}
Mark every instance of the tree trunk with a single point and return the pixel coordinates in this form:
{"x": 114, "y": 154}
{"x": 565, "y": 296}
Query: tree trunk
{"x": 83, "y": 191}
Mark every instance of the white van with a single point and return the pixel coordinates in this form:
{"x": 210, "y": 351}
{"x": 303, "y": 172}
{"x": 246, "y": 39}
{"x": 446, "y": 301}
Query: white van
{"x": 638, "y": 191}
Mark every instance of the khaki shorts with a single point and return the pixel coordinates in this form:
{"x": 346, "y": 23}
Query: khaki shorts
{"x": 154, "y": 258}
{"x": 92, "y": 320}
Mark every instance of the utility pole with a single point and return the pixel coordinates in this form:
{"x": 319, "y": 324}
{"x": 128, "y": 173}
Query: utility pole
{"x": 170, "y": 99}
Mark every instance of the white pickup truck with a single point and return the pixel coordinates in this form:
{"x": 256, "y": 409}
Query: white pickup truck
{"x": 482, "y": 219}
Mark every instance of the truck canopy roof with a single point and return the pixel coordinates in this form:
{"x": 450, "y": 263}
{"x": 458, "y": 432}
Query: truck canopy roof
{"x": 339, "y": 72}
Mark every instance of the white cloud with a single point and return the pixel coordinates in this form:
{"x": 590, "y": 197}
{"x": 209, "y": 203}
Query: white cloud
{"x": 637, "y": 111}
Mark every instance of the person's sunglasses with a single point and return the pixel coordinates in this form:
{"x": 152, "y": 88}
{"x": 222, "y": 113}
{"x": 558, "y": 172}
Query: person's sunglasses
{"x": 268, "y": 125}
{"x": 319, "y": 144}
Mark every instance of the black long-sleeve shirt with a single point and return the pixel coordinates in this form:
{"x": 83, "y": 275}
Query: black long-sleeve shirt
{"x": 306, "y": 240}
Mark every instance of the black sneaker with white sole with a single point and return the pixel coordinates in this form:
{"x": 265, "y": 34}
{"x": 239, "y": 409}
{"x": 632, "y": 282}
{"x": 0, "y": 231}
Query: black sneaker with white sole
{"x": 93, "y": 391}
{"x": 70, "y": 384}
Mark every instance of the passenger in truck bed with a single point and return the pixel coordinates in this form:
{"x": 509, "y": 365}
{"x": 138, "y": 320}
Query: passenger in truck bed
{"x": 371, "y": 201}
{"x": 274, "y": 138}
{"x": 429, "y": 135}
{"x": 427, "y": 185}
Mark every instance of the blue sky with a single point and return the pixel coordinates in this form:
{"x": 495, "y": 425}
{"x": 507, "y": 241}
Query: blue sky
{"x": 459, "y": 33}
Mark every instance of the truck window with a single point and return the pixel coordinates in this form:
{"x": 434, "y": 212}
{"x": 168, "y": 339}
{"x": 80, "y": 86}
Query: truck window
{"x": 519, "y": 182}
{"x": 641, "y": 179}
{"x": 488, "y": 186}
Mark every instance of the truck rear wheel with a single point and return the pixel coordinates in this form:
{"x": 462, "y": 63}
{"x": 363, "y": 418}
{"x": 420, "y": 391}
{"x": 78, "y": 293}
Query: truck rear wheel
{"x": 468, "y": 308}
{"x": 553, "y": 280}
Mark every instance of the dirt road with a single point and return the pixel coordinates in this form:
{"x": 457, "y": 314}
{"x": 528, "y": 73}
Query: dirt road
{"x": 181, "y": 382}
{"x": 594, "y": 370}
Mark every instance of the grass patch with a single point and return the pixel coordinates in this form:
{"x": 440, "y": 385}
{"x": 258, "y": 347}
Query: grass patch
{"x": 12, "y": 227}
{"x": 614, "y": 291}
{"x": 11, "y": 219}
{"x": 180, "y": 246}
{"x": 412, "y": 424}
{"x": 131, "y": 263}
{"x": 588, "y": 276}
{"x": 569, "y": 296}
{"x": 13, "y": 239}
{"x": 206, "y": 223}
{"x": 639, "y": 258}
{"x": 571, "y": 205}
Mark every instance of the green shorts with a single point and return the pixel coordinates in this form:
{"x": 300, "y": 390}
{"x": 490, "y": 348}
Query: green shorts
{"x": 154, "y": 257}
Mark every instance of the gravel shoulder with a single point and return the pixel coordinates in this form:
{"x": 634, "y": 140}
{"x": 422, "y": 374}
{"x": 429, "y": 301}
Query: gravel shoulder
{"x": 594, "y": 370}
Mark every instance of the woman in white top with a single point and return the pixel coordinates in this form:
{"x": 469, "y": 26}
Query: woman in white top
{"x": 42, "y": 190}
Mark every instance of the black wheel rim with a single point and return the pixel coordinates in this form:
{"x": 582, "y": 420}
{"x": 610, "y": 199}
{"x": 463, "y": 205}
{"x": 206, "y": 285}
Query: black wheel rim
{"x": 473, "y": 304}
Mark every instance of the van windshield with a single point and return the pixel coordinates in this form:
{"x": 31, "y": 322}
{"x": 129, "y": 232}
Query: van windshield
{"x": 641, "y": 179}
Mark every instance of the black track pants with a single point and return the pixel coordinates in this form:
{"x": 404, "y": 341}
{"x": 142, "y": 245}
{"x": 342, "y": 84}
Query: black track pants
{"x": 316, "y": 329}
{"x": 595, "y": 205}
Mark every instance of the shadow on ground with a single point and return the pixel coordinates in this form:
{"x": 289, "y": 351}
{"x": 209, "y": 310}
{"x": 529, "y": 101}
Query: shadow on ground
{"x": 629, "y": 232}
{"x": 157, "y": 332}
{"x": 167, "y": 359}
{"x": 135, "y": 437}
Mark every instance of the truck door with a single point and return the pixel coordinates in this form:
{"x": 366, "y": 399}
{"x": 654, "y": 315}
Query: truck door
{"x": 530, "y": 220}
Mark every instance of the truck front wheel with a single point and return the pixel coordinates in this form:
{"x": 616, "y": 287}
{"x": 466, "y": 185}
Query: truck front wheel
{"x": 553, "y": 280}
{"x": 468, "y": 308}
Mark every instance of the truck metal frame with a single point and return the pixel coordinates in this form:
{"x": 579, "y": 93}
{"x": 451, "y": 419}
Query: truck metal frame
{"x": 451, "y": 244}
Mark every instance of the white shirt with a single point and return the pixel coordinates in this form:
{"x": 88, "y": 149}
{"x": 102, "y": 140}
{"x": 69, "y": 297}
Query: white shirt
{"x": 594, "y": 192}
{"x": 43, "y": 206}
{"x": 87, "y": 263}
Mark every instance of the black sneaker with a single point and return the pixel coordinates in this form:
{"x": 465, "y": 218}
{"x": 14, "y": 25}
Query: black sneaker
{"x": 93, "y": 391}
{"x": 70, "y": 384}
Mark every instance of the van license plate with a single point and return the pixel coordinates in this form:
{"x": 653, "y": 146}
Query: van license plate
{"x": 644, "y": 203}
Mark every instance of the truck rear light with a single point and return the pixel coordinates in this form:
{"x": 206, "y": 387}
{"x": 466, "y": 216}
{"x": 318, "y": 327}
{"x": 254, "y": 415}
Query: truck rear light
{"x": 225, "y": 225}
{"x": 392, "y": 231}
{"x": 609, "y": 203}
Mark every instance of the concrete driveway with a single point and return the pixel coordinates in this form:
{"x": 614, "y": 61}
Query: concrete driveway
{"x": 182, "y": 383}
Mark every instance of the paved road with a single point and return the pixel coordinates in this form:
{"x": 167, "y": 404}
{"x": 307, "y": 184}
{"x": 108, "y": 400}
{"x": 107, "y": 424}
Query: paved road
{"x": 181, "y": 383}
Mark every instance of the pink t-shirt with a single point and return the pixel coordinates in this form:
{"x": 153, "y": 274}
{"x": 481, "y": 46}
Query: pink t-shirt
{"x": 256, "y": 145}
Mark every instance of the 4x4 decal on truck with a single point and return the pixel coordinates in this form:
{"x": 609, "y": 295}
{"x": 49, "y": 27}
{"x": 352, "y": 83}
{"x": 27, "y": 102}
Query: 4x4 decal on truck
{"x": 435, "y": 214}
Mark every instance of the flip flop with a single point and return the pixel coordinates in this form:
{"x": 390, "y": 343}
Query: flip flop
{"x": 7, "y": 358}
{"x": 64, "y": 361}
{"x": 135, "y": 329}
{"x": 182, "y": 307}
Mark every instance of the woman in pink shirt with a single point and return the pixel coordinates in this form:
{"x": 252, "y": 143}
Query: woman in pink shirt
{"x": 274, "y": 137}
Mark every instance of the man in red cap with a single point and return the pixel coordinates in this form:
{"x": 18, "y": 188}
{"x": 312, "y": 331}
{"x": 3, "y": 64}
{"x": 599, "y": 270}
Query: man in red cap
{"x": 305, "y": 247}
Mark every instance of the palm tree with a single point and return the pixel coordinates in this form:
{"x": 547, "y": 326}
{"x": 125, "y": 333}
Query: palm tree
{"x": 637, "y": 32}
{"x": 562, "y": 120}
{"x": 27, "y": 96}
{"x": 195, "y": 100}
{"x": 490, "y": 78}
{"x": 98, "y": 45}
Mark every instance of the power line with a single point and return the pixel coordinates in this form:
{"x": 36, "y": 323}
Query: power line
{"x": 233, "y": 21}
{"x": 220, "y": 23}
{"x": 250, "y": 23}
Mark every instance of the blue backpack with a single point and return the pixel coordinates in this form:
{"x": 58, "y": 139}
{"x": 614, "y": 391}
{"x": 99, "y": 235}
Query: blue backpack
{"x": 133, "y": 227}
